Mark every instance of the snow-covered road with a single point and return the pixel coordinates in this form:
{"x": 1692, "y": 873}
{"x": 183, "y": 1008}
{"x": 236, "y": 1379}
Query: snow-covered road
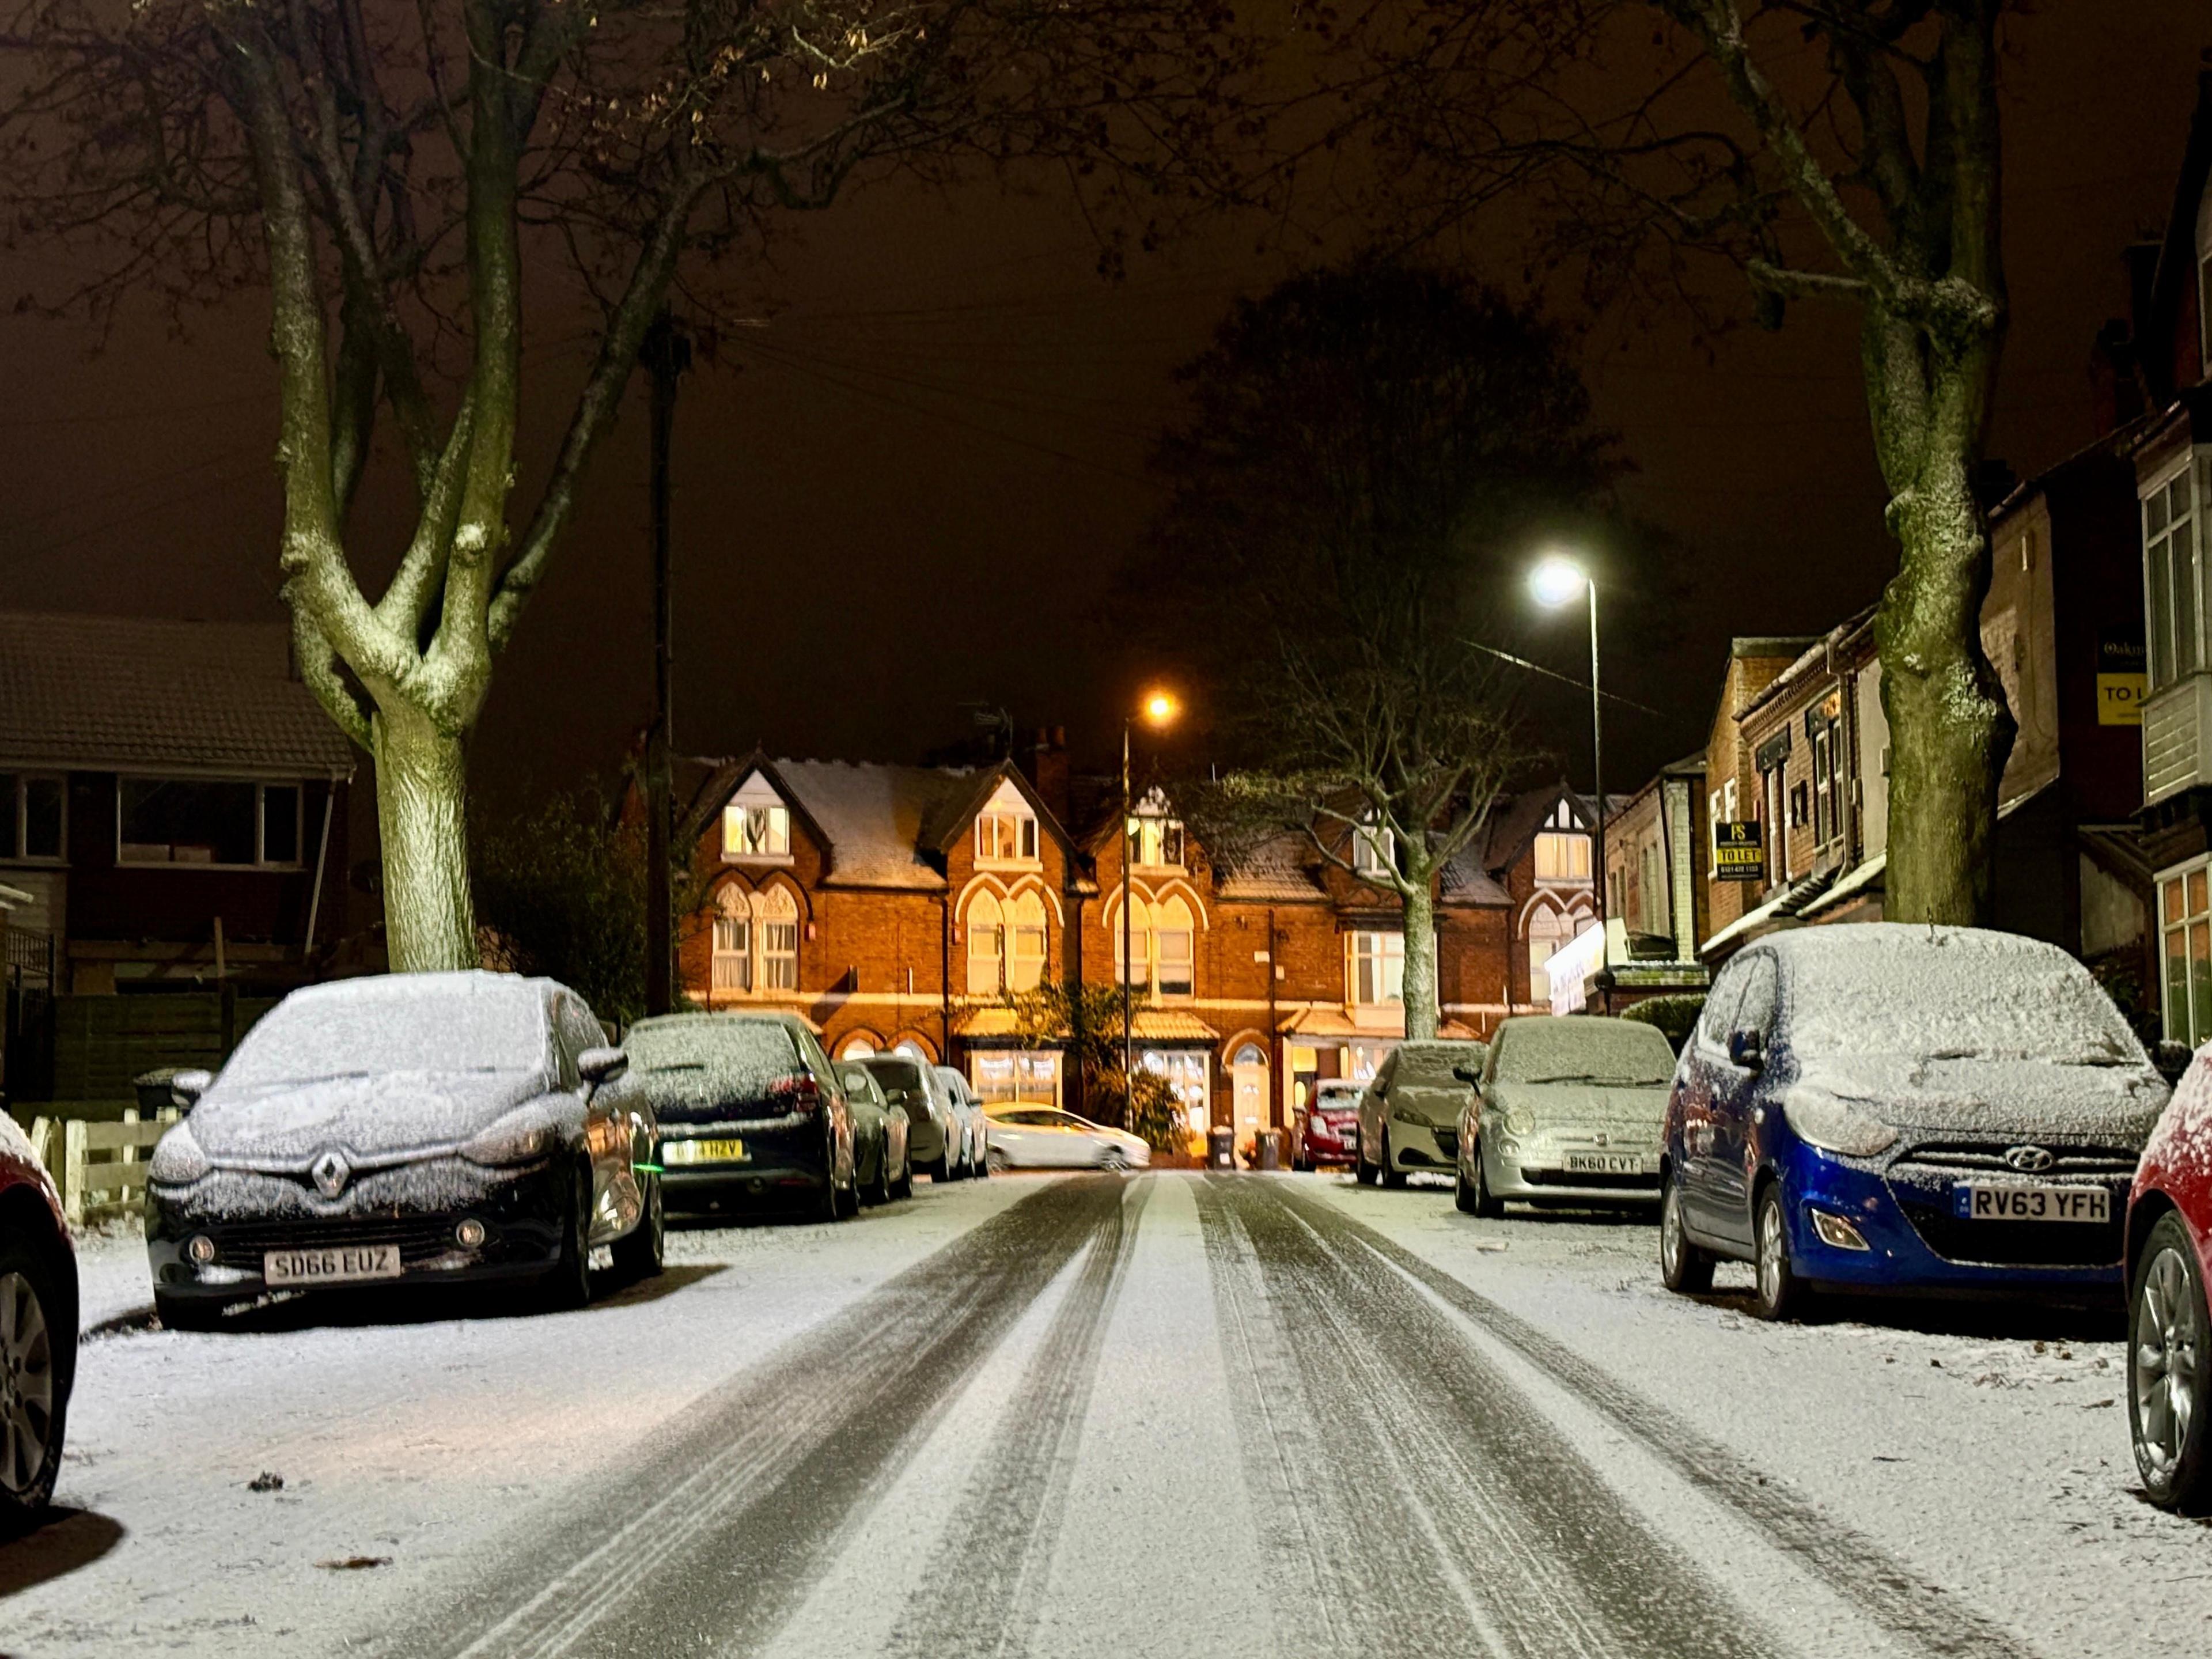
{"x": 1165, "y": 1415}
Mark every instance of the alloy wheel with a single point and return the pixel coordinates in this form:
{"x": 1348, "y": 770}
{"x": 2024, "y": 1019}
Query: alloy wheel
{"x": 26, "y": 1385}
{"x": 2169, "y": 1338}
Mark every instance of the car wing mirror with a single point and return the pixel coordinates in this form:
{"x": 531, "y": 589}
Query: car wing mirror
{"x": 1748, "y": 1049}
{"x": 1467, "y": 1075}
{"x": 186, "y": 1087}
{"x": 2171, "y": 1060}
{"x": 598, "y": 1066}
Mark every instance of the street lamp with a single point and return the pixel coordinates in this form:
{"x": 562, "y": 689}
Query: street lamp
{"x": 1157, "y": 711}
{"x": 1556, "y": 581}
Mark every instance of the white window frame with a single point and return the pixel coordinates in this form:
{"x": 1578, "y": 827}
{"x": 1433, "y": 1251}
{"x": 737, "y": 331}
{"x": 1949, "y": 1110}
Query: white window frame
{"x": 743, "y": 959}
{"x": 16, "y": 845}
{"x": 771, "y": 978}
{"x": 261, "y": 860}
{"x": 1382, "y": 950}
{"x": 1374, "y": 850}
{"x": 2161, "y": 629}
{"x": 739, "y": 845}
{"x": 1009, "y": 826}
{"x": 731, "y": 964}
{"x": 1151, "y": 836}
{"x": 1551, "y": 844}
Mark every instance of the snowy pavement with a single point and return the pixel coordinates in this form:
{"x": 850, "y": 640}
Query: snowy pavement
{"x": 1165, "y": 1415}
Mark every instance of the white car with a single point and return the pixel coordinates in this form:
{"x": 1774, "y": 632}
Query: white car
{"x": 1025, "y": 1136}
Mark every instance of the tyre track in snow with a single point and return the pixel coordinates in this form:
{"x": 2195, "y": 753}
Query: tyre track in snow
{"x": 1009, "y": 1519}
{"x": 1888, "y": 1591}
{"x": 712, "y": 1532}
{"x": 1414, "y": 1503}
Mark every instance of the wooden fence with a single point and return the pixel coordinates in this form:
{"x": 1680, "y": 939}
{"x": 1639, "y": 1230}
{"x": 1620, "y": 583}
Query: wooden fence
{"x": 100, "y": 1167}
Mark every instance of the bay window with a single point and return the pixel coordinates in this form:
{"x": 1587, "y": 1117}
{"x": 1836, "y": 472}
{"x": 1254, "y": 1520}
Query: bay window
{"x": 2185, "y": 911}
{"x": 2173, "y": 566}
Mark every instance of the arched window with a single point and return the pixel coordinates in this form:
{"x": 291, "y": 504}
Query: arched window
{"x": 986, "y": 946}
{"x": 1173, "y": 948}
{"x": 859, "y": 1045}
{"x": 1547, "y": 930}
{"x": 776, "y": 917}
{"x": 1138, "y": 971}
{"x": 733, "y": 942}
{"x": 1025, "y": 942}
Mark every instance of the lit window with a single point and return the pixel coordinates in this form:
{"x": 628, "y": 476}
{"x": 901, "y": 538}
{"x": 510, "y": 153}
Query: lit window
{"x": 986, "y": 946}
{"x": 1378, "y": 968}
{"x": 1156, "y": 842}
{"x": 777, "y": 914}
{"x": 1173, "y": 942}
{"x": 1374, "y": 850}
{"x": 194, "y": 821}
{"x": 752, "y": 829}
{"x": 733, "y": 943}
{"x": 1025, "y": 937}
{"x": 1138, "y": 969}
{"x": 1003, "y": 836}
{"x": 2185, "y": 926}
{"x": 1563, "y": 857}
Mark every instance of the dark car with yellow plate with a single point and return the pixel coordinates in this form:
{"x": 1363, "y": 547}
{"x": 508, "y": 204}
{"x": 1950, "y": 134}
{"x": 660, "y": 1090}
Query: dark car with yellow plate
{"x": 753, "y": 1112}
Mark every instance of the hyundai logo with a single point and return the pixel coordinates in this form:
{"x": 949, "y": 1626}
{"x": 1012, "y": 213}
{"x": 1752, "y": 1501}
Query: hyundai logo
{"x": 330, "y": 1171}
{"x": 2030, "y": 1160}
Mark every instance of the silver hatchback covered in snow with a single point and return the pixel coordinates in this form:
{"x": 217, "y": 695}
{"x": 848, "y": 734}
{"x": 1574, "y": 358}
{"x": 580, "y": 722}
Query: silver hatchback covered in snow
{"x": 1570, "y": 1111}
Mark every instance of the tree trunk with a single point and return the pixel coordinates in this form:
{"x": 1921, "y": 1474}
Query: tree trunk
{"x": 1950, "y": 730}
{"x": 1419, "y": 909}
{"x": 421, "y": 786}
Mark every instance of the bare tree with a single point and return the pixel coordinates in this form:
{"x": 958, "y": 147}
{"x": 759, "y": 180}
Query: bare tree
{"x": 393, "y": 171}
{"x": 1846, "y": 151}
{"x": 1386, "y": 759}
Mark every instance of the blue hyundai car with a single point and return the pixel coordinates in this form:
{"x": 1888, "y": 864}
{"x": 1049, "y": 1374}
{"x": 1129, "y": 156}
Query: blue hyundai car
{"x": 1890, "y": 1109}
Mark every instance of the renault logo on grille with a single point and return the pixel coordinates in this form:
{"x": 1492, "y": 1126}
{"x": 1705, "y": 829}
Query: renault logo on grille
{"x": 2030, "y": 1160}
{"x": 330, "y": 1171}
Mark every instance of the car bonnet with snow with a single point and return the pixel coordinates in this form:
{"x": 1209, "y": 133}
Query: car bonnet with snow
{"x": 1334, "y": 1113}
{"x": 382, "y": 1066}
{"x": 1890, "y": 1030}
{"x": 1584, "y": 1073}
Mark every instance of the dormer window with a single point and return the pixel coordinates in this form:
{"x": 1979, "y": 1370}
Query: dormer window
{"x": 1374, "y": 850}
{"x": 1006, "y": 829}
{"x": 1563, "y": 851}
{"x": 1156, "y": 842}
{"x": 756, "y": 823}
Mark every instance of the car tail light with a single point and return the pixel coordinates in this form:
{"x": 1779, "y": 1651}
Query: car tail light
{"x": 797, "y": 1094}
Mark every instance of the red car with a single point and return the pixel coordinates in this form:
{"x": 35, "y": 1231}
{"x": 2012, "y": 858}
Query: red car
{"x": 1328, "y": 1125}
{"x": 2169, "y": 1252}
{"x": 38, "y": 1330}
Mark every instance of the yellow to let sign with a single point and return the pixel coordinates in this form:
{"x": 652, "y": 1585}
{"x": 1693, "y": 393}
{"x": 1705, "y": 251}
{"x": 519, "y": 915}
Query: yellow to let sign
{"x": 2120, "y": 699}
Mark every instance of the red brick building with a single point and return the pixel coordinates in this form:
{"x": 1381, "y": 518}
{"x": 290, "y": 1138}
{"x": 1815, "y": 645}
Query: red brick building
{"x": 899, "y": 906}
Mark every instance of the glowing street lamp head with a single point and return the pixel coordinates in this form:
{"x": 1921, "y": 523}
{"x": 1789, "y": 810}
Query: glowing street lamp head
{"x": 1161, "y": 708}
{"x": 1557, "y": 579}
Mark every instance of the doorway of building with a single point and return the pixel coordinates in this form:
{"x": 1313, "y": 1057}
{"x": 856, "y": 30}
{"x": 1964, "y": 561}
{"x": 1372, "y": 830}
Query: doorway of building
{"x": 1248, "y": 1089}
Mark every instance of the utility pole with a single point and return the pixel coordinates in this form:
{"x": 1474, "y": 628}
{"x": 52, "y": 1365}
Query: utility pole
{"x": 665, "y": 353}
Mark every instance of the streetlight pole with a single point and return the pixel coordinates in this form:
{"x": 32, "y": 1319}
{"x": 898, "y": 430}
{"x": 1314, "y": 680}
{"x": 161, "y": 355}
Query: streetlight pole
{"x": 1127, "y": 811}
{"x": 1597, "y": 781}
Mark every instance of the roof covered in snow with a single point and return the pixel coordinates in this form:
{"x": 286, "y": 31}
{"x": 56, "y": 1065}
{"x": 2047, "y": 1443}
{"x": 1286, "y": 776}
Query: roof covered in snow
{"x": 131, "y": 692}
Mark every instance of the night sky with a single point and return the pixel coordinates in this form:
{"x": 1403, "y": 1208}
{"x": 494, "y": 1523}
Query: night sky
{"x": 909, "y": 488}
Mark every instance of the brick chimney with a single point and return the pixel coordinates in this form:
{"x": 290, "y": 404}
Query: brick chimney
{"x": 1044, "y": 760}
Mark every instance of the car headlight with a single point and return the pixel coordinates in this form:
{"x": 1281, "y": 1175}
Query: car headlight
{"x": 520, "y": 1137}
{"x": 178, "y": 1160}
{"x": 1835, "y": 1125}
{"x": 1518, "y": 1123}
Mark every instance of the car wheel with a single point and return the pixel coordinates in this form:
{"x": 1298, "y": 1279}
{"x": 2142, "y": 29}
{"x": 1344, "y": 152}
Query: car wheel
{"x": 1487, "y": 1204}
{"x": 995, "y": 1161}
{"x": 179, "y": 1313}
{"x": 33, "y": 1382}
{"x": 641, "y": 1252}
{"x": 1362, "y": 1170}
{"x": 1389, "y": 1174}
{"x": 1683, "y": 1267}
{"x": 1114, "y": 1160}
{"x": 941, "y": 1171}
{"x": 568, "y": 1283}
{"x": 904, "y": 1187}
{"x": 1464, "y": 1197}
{"x": 2166, "y": 1371}
{"x": 1779, "y": 1294}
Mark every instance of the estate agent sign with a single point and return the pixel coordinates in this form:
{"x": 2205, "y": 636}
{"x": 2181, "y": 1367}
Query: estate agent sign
{"x": 1739, "y": 853}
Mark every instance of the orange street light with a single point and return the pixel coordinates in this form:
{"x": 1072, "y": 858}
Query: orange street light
{"x": 1158, "y": 709}
{"x": 1161, "y": 708}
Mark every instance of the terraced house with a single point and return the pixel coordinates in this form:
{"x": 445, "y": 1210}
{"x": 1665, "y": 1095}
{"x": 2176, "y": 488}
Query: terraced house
{"x": 902, "y": 906}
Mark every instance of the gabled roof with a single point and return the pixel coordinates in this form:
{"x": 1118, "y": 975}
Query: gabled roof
{"x": 133, "y": 693}
{"x": 1514, "y": 824}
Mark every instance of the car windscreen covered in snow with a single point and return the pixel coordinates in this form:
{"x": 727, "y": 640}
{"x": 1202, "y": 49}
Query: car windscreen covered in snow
{"x": 1949, "y": 994}
{"x": 1584, "y": 1048}
{"x": 901, "y": 1079}
{"x": 434, "y": 1022}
